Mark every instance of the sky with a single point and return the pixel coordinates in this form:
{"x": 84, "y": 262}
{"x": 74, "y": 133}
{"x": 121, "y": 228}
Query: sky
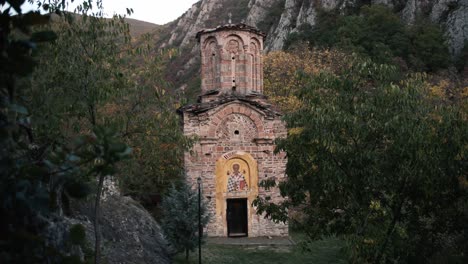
{"x": 154, "y": 11}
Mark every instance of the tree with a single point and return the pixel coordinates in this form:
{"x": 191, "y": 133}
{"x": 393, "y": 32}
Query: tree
{"x": 286, "y": 72}
{"x": 180, "y": 217}
{"x": 374, "y": 159}
{"x": 79, "y": 72}
{"x": 150, "y": 125}
{"x": 23, "y": 190}
{"x": 101, "y": 78}
{"x": 30, "y": 169}
{"x": 76, "y": 77}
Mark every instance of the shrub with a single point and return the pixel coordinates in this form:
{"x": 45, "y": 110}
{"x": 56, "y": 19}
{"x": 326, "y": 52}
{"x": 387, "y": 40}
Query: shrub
{"x": 429, "y": 46}
{"x": 180, "y": 217}
{"x": 380, "y": 34}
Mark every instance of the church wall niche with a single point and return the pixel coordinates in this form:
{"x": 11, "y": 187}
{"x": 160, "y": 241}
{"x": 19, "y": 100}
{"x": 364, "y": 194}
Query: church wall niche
{"x": 234, "y": 58}
{"x": 210, "y": 64}
{"x": 256, "y": 65}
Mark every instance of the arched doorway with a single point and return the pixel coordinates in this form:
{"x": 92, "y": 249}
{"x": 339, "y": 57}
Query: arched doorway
{"x": 236, "y": 188}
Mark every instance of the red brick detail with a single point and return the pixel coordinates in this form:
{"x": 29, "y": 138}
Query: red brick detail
{"x": 255, "y": 116}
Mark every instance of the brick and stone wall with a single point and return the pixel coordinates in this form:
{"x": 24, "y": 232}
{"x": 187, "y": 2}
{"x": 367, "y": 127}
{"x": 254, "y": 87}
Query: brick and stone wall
{"x": 236, "y": 130}
{"x": 236, "y": 127}
{"x": 231, "y": 60}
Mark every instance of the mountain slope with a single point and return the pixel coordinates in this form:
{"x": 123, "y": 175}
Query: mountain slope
{"x": 279, "y": 18}
{"x": 138, "y": 27}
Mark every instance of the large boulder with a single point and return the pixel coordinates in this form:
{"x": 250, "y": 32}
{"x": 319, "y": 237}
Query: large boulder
{"x": 129, "y": 232}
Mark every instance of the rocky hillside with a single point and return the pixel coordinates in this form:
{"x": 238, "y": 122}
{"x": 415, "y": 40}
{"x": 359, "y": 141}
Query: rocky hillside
{"x": 279, "y": 18}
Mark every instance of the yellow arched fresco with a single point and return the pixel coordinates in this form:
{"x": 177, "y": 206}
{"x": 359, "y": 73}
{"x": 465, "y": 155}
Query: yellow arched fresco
{"x": 224, "y": 167}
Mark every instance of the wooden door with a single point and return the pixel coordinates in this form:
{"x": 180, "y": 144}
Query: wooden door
{"x": 237, "y": 217}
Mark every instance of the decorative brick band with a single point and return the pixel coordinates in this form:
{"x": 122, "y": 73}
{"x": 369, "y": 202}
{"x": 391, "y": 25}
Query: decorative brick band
{"x": 236, "y": 108}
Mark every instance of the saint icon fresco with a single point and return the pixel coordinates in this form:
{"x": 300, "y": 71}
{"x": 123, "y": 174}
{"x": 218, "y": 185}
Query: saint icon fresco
{"x": 236, "y": 181}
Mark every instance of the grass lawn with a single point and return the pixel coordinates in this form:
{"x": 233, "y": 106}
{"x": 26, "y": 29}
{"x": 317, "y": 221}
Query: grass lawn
{"x": 324, "y": 251}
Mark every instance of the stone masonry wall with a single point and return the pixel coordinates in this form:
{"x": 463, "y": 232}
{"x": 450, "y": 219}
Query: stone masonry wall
{"x": 231, "y": 60}
{"x": 235, "y": 129}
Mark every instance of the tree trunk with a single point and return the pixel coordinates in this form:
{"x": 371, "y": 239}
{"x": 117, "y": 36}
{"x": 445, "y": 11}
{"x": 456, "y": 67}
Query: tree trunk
{"x": 389, "y": 232}
{"x": 186, "y": 254}
{"x": 97, "y": 230}
{"x": 58, "y": 199}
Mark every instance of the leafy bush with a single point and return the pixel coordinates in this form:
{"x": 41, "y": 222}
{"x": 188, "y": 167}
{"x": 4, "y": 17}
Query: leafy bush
{"x": 428, "y": 46}
{"x": 287, "y": 72}
{"x": 379, "y": 33}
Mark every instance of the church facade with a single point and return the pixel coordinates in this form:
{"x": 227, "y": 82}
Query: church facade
{"x": 236, "y": 127}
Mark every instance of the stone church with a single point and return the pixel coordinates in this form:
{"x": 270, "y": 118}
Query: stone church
{"x": 236, "y": 127}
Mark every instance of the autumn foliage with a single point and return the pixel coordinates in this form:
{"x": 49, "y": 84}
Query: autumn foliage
{"x": 376, "y": 156}
{"x": 286, "y": 72}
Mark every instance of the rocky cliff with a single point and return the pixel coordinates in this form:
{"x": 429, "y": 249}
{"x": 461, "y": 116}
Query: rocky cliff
{"x": 279, "y": 18}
